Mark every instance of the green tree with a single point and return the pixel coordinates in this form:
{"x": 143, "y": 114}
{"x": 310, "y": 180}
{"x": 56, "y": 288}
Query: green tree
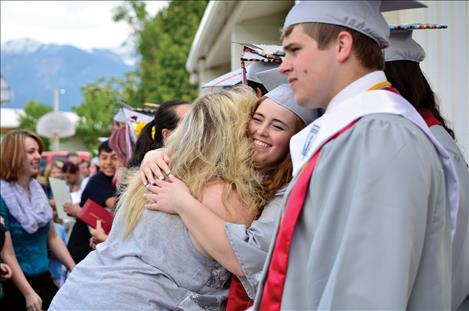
{"x": 101, "y": 100}
{"x": 33, "y": 111}
{"x": 164, "y": 42}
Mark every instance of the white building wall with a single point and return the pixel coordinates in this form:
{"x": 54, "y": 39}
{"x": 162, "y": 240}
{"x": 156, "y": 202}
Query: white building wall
{"x": 447, "y": 59}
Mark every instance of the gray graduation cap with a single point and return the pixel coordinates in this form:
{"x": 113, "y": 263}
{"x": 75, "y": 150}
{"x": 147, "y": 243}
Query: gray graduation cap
{"x": 362, "y": 16}
{"x": 395, "y": 5}
{"x": 285, "y": 97}
{"x": 228, "y": 79}
{"x": 272, "y": 78}
{"x": 253, "y": 70}
{"x": 402, "y": 46}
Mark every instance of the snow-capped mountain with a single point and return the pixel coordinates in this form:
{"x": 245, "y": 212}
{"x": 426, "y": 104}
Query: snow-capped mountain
{"x": 34, "y": 69}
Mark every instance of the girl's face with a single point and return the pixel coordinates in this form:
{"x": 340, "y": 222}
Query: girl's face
{"x": 32, "y": 157}
{"x": 270, "y": 130}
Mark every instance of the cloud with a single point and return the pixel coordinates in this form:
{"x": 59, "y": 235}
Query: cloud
{"x": 86, "y": 24}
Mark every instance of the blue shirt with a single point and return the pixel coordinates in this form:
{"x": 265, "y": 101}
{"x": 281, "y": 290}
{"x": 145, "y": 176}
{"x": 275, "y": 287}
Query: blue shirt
{"x": 30, "y": 249}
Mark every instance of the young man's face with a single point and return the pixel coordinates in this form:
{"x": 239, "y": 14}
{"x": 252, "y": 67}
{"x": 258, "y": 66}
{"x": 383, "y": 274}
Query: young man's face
{"x": 108, "y": 162}
{"x": 310, "y": 70}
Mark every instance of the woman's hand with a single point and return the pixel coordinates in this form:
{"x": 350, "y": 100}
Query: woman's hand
{"x": 168, "y": 196}
{"x": 154, "y": 166}
{"x": 71, "y": 209}
{"x": 33, "y": 302}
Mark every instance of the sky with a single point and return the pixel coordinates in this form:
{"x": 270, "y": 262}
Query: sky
{"x": 85, "y": 24}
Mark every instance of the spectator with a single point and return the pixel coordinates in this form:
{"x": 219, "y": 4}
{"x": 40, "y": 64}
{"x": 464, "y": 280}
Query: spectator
{"x": 28, "y": 224}
{"x": 74, "y": 180}
{"x": 73, "y": 157}
{"x": 101, "y": 190}
{"x": 54, "y": 170}
{"x": 94, "y": 166}
{"x": 85, "y": 168}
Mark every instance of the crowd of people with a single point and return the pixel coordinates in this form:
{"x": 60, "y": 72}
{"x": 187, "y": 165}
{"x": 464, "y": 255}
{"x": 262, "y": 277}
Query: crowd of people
{"x": 329, "y": 181}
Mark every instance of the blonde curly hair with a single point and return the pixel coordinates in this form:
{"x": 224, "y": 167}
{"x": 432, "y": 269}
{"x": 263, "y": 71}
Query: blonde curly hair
{"x": 210, "y": 143}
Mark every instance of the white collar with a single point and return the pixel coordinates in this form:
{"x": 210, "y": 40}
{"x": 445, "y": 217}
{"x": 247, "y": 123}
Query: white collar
{"x": 357, "y": 86}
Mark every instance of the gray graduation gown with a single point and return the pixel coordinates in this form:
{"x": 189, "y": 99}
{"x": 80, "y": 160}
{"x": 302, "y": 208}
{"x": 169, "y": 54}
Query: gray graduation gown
{"x": 374, "y": 233}
{"x": 461, "y": 236}
{"x": 251, "y": 244}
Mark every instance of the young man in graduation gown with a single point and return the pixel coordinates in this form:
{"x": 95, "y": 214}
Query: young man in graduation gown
{"x": 366, "y": 223}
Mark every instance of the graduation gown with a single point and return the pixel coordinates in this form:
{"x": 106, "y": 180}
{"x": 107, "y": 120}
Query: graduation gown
{"x": 461, "y": 237}
{"x": 251, "y": 245}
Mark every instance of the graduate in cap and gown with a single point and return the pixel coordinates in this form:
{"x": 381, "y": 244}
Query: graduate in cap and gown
{"x": 403, "y": 57}
{"x": 366, "y": 220}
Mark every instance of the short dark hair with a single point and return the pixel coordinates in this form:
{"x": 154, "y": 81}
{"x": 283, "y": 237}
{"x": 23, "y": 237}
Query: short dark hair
{"x": 254, "y": 85}
{"x": 104, "y": 146}
{"x": 70, "y": 167}
{"x": 365, "y": 49}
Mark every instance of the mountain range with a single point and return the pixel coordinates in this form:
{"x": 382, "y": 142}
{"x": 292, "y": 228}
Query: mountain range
{"x": 33, "y": 69}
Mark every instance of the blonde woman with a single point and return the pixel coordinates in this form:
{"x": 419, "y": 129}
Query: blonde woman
{"x": 149, "y": 260}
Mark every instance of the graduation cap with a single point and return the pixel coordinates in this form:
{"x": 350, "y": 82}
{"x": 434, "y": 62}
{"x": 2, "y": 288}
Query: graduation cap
{"x": 263, "y": 56}
{"x": 231, "y": 78}
{"x": 284, "y": 96}
{"x": 272, "y": 78}
{"x": 362, "y": 16}
{"x": 395, "y": 5}
{"x": 402, "y": 46}
{"x": 134, "y": 120}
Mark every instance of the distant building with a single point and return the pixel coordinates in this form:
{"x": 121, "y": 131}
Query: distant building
{"x": 446, "y": 65}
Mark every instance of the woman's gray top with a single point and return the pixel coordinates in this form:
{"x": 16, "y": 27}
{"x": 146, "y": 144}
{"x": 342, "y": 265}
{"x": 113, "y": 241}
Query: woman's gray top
{"x": 156, "y": 268}
{"x": 251, "y": 244}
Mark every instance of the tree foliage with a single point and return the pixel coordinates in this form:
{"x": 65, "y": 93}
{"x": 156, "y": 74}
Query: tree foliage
{"x": 32, "y": 112}
{"x": 164, "y": 42}
{"x": 101, "y": 100}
